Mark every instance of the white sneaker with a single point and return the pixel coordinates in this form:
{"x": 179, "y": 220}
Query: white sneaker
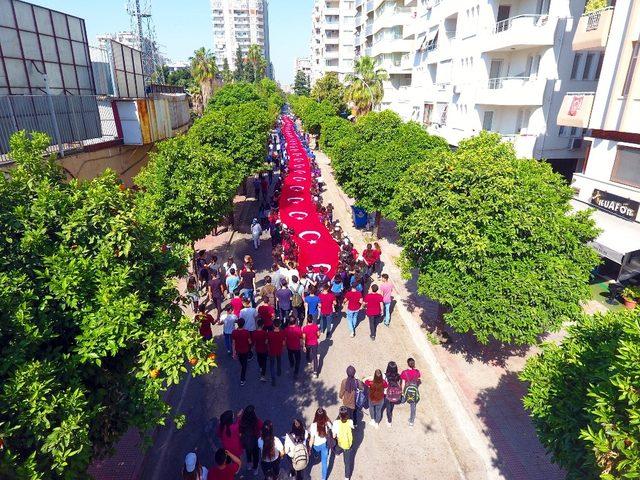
{"x": 376, "y": 425}
{"x": 388, "y": 424}
{"x": 353, "y": 334}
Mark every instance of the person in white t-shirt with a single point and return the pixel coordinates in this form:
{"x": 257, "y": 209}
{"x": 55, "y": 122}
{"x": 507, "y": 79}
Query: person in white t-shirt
{"x": 271, "y": 451}
{"x": 319, "y": 432}
{"x": 256, "y": 232}
{"x": 297, "y": 435}
{"x": 249, "y": 314}
{"x": 228, "y": 320}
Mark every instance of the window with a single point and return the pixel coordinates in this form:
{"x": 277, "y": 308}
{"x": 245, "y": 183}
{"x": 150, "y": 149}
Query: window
{"x": 587, "y": 66}
{"x": 487, "y": 121}
{"x": 626, "y": 169}
{"x": 561, "y": 131}
{"x": 599, "y": 67}
{"x": 576, "y": 66}
{"x": 632, "y": 66}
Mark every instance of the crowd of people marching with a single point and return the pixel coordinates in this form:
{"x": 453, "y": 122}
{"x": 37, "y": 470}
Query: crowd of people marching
{"x": 293, "y": 311}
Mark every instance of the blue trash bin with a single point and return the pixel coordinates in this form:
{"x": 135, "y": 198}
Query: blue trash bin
{"x": 360, "y": 217}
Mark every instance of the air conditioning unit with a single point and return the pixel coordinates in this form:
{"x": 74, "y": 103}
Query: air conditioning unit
{"x": 575, "y": 143}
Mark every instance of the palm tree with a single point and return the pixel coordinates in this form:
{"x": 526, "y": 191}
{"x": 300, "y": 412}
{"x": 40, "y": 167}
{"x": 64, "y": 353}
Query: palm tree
{"x": 204, "y": 70}
{"x": 366, "y": 89}
{"x": 195, "y": 92}
{"x": 256, "y": 62}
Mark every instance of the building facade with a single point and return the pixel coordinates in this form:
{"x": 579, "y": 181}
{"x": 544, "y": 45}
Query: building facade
{"x": 239, "y": 24}
{"x": 332, "y": 38}
{"x": 609, "y": 178}
{"x": 302, "y": 64}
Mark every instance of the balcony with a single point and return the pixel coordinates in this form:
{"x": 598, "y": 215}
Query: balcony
{"x": 331, "y": 40}
{"x": 392, "y": 17}
{"x": 520, "y": 32}
{"x": 370, "y": 6}
{"x": 593, "y": 30}
{"x": 576, "y": 109}
{"x": 368, "y": 29}
{"x": 389, "y": 45}
{"x": 331, "y": 54}
{"x": 400, "y": 65}
{"x": 331, "y": 11}
{"x": 512, "y": 91}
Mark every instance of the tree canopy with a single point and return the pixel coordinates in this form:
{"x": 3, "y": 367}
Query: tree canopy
{"x": 584, "y": 397}
{"x": 329, "y": 88}
{"x": 495, "y": 240}
{"x": 365, "y": 88}
{"x": 301, "y": 84}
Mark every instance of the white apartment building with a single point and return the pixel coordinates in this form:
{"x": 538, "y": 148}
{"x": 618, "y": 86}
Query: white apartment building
{"x": 498, "y": 65}
{"x": 302, "y": 64}
{"x": 332, "y": 38}
{"x": 609, "y": 178}
{"x": 240, "y": 23}
{"x": 384, "y": 31}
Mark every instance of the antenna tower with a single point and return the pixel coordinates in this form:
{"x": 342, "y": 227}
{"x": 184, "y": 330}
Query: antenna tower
{"x": 142, "y": 25}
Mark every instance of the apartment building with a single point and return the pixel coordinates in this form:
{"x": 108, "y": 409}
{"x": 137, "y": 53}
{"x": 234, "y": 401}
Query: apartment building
{"x": 609, "y": 177}
{"x": 302, "y": 64}
{"x": 385, "y": 31}
{"x": 332, "y": 38}
{"x": 240, "y": 23}
{"x": 497, "y": 65}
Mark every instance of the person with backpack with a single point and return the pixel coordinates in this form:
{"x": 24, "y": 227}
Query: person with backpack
{"x": 192, "y": 469}
{"x": 275, "y": 345}
{"x": 343, "y": 433}
{"x": 229, "y": 433}
{"x": 250, "y": 429}
{"x": 393, "y": 395}
{"x": 271, "y": 450}
{"x": 349, "y": 389}
{"x": 322, "y": 279}
{"x": 297, "y": 299}
{"x": 376, "y": 387}
{"x": 319, "y": 435}
{"x": 410, "y": 388}
{"x": 296, "y": 447}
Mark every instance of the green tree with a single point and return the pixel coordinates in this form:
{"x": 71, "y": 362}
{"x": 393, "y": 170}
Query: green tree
{"x": 160, "y": 75}
{"x": 329, "y": 88}
{"x": 91, "y": 334}
{"x": 584, "y": 397}
{"x": 204, "y": 70}
{"x": 301, "y": 84}
{"x": 366, "y": 88}
{"x": 256, "y": 64}
{"x": 495, "y": 240}
{"x": 239, "y": 72}
{"x": 227, "y": 74}
{"x": 181, "y": 77}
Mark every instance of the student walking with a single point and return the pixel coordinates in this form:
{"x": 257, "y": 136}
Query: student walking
{"x": 319, "y": 433}
{"x": 266, "y": 312}
{"x": 269, "y": 291}
{"x": 348, "y": 390}
{"x": 250, "y": 429}
{"x": 376, "y": 387}
{"x": 354, "y": 303}
{"x": 232, "y": 281}
{"x": 256, "y": 232}
{"x": 297, "y": 299}
{"x": 283, "y": 300}
{"x": 386, "y": 289}
{"x": 248, "y": 283}
{"x": 393, "y": 395}
{"x": 296, "y": 447}
{"x": 249, "y": 315}
{"x": 373, "y": 309}
{"x": 205, "y": 320}
{"x": 259, "y": 338}
{"x": 228, "y": 325}
{"x": 311, "y": 334}
{"x": 343, "y": 432}
{"x": 311, "y": 302}
{"x": 410, "y": 388}
{"x": 271, "y": 451}
{"x": 293, "y": 337}
{"x": 241, "y": 347}
{"x": 327, "y": 307}
{"x": 275, "y": 345}
{"x": 229, "y": 433}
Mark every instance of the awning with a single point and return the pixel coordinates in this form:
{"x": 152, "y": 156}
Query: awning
{"x": 618, "y": 238}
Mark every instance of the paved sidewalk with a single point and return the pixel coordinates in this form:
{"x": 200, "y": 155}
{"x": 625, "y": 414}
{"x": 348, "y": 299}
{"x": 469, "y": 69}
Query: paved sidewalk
{"x": 483, "y": 379}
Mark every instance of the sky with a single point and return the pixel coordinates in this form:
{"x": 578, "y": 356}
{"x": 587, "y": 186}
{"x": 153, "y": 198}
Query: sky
{"x": 183, "y": 26}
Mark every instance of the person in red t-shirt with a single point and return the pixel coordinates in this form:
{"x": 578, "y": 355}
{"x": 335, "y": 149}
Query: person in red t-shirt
{"x": 266, "y": 312}
{"x": 259, "y": 338}
{"x": 236, "y": 303}
{"x": 354, "y": 302}
{"x": 275, "y": 345}
{"x": 241, "y": 339}
{"x": 225, "y": 466}
{"x": 369, "y": 255}
{"x": 327, "y": 307}
{"x": 205, "y": 320}
{"x": 311, "y": 333}
{"x": 293, "y": 337}
{"x": 373, "y": 308}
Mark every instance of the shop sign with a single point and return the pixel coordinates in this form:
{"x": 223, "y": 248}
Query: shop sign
{"x": 619, "y": 206}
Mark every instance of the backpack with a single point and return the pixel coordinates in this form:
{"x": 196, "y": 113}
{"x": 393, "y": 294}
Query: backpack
{"x": 361, "y": 398}
{"x": 394, "y": 393}
{"x": 296, "y": 299}
{"x": 299, "y": 456}
{"x": 411, "y": 393}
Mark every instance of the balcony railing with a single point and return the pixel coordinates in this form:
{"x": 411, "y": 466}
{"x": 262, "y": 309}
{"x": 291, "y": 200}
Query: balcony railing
{"x": 536, "y": 20}
{"x": 593, "y": 30}
{"x": 593, "y": 18}
{"x": 497, "y": 83}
